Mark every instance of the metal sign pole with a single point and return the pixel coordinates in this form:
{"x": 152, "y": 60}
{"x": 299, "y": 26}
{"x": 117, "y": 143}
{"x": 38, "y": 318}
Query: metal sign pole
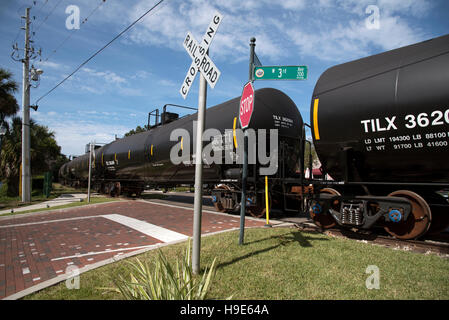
{"x": 245, "y": 152}
{"x": 200, "y": 58}
{"x": 90, "y": 172}
{"x": 198, "y": 202}
{"x": 244, "y": 180}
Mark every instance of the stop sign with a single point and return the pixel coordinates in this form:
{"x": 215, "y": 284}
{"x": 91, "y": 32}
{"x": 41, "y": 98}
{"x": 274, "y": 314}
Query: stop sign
{"x": 246, "y": 105}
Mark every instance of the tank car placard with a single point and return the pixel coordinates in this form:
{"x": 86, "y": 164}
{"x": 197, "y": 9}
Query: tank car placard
{"x": 412, "y": 131}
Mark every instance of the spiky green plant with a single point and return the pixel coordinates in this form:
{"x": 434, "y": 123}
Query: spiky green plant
{"x": 164, "y": 282}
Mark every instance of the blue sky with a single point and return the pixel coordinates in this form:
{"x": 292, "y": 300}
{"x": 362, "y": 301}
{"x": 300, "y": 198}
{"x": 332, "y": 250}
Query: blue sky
{"x": 144, "y": 69}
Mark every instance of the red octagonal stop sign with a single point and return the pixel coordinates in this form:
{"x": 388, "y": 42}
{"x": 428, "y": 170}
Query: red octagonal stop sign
{"x": 246, "y": 105}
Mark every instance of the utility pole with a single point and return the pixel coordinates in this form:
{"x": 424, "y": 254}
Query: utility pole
{"x": 28, "y": 75}
{"x": 26, "y": 166}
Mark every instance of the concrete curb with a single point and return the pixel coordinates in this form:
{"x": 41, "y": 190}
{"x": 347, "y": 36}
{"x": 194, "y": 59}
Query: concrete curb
{"x": 61, "y": 210}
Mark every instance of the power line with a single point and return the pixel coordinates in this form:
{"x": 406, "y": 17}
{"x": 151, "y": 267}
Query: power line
{"x": 49, "y": 14}
{"x": 104, "y": 47}
{"x": 20, "y": 27}
{"x": 73, "y": 31}
{"x": 30, "y": 52}
{"x": 29, "y": 5}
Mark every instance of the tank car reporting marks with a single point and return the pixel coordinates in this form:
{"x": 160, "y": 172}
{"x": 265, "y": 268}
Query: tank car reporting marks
{"x": 411, "y": 121}
{"x": 410, "y": 141}
{"x": 376, "y": 125}
{"x": 283, "y": 122}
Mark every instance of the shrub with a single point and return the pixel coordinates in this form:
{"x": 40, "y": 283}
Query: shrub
{"x": 164, "y": 282}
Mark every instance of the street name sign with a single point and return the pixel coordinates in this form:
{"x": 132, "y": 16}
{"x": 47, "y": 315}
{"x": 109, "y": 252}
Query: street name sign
{"x": 280, "y": 73}
{"x": 200, "y": 58}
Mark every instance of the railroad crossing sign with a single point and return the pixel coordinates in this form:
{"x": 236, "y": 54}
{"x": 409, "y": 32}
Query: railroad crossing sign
{"x": 246, "y": 105}
{"x": 211, "y": 74}
{"x": 280, "y": 73}
{"x": 200, "y": 58}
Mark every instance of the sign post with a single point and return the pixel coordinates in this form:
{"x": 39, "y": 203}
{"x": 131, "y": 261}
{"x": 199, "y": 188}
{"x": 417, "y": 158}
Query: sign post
{"x": 90, "y": 171}
{"x": 199, "y": 52}
{"x": 245, "y": 113}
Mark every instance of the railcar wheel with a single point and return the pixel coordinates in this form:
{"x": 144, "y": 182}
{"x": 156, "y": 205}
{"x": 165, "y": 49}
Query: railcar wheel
{"x": 260, "y": 210}
{"x": 115, "y": 191}
{"x": 440, "y": 214}
{"x": 418, "y": 221}
{"x": 324, "y": 219}
{"x": 217, "y": 204}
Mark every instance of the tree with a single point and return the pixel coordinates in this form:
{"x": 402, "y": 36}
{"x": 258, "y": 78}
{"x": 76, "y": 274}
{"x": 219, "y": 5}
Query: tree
{"x": 138, "y": 129}
{"x": 56, "y": 164}
{"x": 44, "y": 152}
{"x": 315, "y": 160}
{"x": 8, "y": 103}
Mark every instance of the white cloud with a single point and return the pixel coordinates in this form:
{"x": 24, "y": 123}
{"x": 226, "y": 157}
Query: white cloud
{"x": 50, "y": 65}
{"x": 107, "y": 76}
{"x": 74, "y": 130}
{"x": 325, "y": 29}
{"x": 167, "y": 83}
{"x": 141, "y": 74}
{"x": 131, "y": 92}
{"x": 416, "y": 8}
{"x": 168, "y": 27}
{"x": 350, "y": 38}
{"x": 292, "y": 4}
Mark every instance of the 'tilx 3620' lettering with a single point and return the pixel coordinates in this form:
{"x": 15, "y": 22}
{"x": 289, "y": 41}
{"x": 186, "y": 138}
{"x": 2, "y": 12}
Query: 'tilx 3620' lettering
{"x": 422, "y": 120}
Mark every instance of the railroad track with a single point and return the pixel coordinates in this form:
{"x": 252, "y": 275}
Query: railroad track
{"x": 438, "y": 244}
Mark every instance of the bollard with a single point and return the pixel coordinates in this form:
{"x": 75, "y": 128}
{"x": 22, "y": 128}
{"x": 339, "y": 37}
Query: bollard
{"x": 267, "y": 206}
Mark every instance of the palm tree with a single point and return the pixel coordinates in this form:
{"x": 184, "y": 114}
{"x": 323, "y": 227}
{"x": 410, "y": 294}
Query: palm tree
{"x": 10, "y": 156}
{"x": 8, "y": 103}
{"x": 44, "y": 152}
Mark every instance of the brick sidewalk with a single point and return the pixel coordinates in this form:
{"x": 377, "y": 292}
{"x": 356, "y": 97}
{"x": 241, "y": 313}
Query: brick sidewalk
{"x": 39, "y": 247}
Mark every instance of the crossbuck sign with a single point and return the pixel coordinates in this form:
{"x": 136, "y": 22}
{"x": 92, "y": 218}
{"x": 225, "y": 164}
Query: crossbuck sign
{"x": 201, "y": 60}
{"x": 210, "y": 73}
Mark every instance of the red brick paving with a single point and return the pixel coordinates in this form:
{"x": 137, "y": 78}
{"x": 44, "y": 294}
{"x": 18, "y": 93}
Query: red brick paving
{"x": 26, "y": 251}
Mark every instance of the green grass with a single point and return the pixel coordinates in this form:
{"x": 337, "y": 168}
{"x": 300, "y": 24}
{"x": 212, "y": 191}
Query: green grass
{"x": 284, "y": 263}
{"x": 37, "y": 196}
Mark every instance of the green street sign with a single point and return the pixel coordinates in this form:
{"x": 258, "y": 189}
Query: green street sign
{"x": 280, "y": 73}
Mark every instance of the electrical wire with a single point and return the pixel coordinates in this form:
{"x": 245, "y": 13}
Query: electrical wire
{"x": 100, "y": 50}
{"x": 73, "y": 31}
{"x": 48, "y": 15}
{"x": 21, "y": 8}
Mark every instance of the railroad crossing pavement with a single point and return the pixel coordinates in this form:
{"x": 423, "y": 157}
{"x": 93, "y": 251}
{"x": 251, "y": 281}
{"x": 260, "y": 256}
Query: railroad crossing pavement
{"x": 60, "y": 201}
{"x": 37, "y": 248}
